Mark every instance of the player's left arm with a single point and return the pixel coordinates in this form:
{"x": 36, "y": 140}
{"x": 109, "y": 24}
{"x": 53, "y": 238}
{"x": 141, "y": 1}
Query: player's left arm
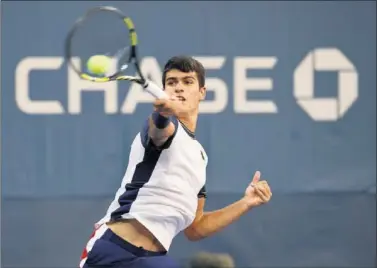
{"x": 208, "y": 223}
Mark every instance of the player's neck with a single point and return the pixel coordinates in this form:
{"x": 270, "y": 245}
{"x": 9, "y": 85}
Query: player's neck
{"x": 189, "y": 121}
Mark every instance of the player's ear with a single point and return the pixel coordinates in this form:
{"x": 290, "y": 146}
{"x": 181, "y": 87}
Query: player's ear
{"x": 202, "y": 91}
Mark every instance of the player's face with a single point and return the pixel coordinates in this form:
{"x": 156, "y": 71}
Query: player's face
{"x": 185, "y": 87}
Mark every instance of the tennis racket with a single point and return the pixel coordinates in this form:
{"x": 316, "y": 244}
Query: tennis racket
{"x": 107, "y": 31}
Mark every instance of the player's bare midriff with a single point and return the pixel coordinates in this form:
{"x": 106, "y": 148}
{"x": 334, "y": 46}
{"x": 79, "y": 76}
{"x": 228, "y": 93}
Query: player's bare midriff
{"x": 136, "y": 234}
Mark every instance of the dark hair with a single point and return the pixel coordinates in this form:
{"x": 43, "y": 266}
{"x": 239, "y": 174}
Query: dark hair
{"x": 185, "y": 64}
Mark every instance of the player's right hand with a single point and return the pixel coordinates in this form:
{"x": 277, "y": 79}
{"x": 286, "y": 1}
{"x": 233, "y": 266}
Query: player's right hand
{"x": 169, "y": 107}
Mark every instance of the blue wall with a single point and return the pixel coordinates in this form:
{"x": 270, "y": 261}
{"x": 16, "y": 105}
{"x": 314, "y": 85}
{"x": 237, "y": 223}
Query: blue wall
{"x": 61, "y": 169}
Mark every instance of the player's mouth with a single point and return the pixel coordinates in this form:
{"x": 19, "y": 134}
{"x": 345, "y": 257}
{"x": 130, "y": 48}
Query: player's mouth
{"x": 180, "y": 98}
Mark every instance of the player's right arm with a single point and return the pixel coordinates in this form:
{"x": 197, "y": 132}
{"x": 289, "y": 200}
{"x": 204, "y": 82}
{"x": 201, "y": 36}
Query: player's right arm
{"x": 161, "y": 128}
{"x": 162, "y": 123}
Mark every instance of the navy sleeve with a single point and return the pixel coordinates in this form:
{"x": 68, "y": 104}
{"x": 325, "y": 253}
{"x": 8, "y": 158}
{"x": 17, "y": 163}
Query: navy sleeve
{"x": 145, "y": 139}
{"x": 144, "y": 133}
{"x": 202, "y": 192}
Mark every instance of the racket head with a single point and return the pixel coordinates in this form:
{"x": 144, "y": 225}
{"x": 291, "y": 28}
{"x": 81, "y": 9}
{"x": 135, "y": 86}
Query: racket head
{"x": 103, "y": 30}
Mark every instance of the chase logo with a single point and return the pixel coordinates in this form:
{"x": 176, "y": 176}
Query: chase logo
{"x": 325, "y": 59}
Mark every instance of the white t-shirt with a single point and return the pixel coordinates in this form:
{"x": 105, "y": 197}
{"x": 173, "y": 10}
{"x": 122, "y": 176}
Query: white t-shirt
{"x": 161, "y": 186}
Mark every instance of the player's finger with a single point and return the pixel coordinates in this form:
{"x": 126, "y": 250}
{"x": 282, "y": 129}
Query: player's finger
{"x": 262, "y": 193}
{"x": 261, "y": 196}
{"x": 162, "y": 107}
{"x": 159, "y": 109}
{"x": 265, "y": 184}
{"x": 268, "y": 189}
{"x": 255, "y": 178}
{"x": 159, "y": 102}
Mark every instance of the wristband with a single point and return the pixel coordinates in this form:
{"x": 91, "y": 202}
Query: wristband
{"x": 160, "y": 121}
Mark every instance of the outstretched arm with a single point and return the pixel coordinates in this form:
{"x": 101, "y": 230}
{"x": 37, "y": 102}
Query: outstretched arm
{"x": 161, "y": 128}
{"x": 208, "y": 223}
{"x": 162, "y": 123}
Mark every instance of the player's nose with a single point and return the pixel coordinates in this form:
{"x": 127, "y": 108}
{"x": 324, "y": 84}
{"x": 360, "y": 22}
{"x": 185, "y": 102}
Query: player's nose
{"x": 178, "y": 89}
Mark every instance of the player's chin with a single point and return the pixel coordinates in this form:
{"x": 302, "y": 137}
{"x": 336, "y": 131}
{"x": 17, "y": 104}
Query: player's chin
{"x": 182, "y": 102}
{"x": 185, "y": 109}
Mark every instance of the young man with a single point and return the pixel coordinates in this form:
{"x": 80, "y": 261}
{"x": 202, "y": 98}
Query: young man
{"x": 163, "y": 190}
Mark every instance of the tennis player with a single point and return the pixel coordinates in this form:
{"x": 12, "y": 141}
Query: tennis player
{"x": 163, "y": 190}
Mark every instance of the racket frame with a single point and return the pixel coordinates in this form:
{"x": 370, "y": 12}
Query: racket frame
{"x": 133, "y": 48}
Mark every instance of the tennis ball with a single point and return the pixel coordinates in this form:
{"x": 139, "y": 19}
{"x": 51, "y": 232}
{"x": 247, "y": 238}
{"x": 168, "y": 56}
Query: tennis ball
{"x": 98, "y": 64}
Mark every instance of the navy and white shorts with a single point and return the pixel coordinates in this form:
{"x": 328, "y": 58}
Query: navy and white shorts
{"x": 107, "y": 250}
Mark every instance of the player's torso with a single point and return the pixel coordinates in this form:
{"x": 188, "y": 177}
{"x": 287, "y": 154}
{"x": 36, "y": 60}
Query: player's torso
{"x": 178, "y": 175}
{"x": 160, "y": 188}
{"x": 182, "y": 166}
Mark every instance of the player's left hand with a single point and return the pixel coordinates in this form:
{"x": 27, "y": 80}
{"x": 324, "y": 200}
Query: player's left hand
{"x": 258, "y": 192}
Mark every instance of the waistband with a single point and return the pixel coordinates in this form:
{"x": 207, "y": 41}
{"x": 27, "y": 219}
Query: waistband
{"x": 138, "y": 251}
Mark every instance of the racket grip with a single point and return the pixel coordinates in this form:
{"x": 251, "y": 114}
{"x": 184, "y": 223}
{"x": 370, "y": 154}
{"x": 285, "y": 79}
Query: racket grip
{"x": 155, "y": 90}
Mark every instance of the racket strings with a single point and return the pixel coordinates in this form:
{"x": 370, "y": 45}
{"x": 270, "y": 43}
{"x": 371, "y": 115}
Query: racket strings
{"x": 102, "y": 33}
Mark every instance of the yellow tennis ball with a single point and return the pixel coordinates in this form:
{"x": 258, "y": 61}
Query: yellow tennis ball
{"x": 98, "y": 64}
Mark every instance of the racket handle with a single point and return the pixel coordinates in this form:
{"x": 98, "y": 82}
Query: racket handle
{"x": 154, "y": 90}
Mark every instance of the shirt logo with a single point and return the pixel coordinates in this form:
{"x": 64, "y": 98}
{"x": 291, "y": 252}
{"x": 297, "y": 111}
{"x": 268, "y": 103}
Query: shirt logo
{"x": 201, "y": 152}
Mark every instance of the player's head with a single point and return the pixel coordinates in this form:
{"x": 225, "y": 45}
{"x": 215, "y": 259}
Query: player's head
{"x": 184, "y": 77}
